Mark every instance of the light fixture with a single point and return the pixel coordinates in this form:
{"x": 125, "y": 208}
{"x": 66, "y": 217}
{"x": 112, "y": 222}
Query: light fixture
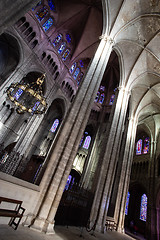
{"x": 28, "y": 97}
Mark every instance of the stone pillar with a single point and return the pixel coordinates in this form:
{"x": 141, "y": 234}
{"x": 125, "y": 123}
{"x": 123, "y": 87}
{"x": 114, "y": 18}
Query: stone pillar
{"x": 151, "y": 223}
{"x": 109, "y": 162}
{"x": 119, "y": 214}
{"x": 65, "y": 149}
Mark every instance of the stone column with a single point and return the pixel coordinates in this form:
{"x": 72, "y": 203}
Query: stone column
{"x": 119, "y": 214}
{"x": 65, "y": 149}
{"x": 151, "y": 223}
{"x": 109, "y": 162}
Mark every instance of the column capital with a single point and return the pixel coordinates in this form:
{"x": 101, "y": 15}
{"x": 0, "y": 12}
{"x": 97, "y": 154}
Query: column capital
{"x": 107, "y": 38}
{"x": 124, "y": 89}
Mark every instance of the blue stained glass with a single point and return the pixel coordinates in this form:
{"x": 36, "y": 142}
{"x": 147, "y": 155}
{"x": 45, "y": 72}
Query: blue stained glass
{"x": 81, "y": 140}
{"x": 143, "y": 209}
{"x": 52, "y": 5}
{"x": 127, "y": 203}
{"x": 18, "y": 94}
{"x": 47, "y": 24}
{"x": 37, "y": 172}
{"x": 68, "y": 37}
{"x": 80, "y": 78}
{"x": 71, "y": 70}
{"x": 62, "y": 47}
{"x": 81, "y": 63}
{"x": 55, "y": 125}
{"x": 35, "y": 106}
{"x": 102, "y": 88}
{"x": 65, "y": 55}
{"x": 97, "y": 97}
{"x": 75, "y": 75}
{"x": 139, "y": 147}
{"x": 42, "y": 14}
{"x": 87, "y": 142}
{"x": 4, "y": 158}
{"x": 146, "y": 145}
{"x": 112, "y": 99}
{"x": 68, "y": 182}
{"x": 101, "y": 99}
{"x": 57, "y": 40}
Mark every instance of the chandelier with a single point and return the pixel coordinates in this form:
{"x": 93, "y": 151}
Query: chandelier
{"x": 28, "y": 97}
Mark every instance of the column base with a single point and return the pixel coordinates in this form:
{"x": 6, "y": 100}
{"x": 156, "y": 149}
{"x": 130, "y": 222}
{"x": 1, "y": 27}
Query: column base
{"x": 28, "y": 221}
{"x": 42, "y": 225}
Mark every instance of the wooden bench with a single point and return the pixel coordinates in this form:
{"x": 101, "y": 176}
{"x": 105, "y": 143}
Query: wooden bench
{"x": 16, "y": 213}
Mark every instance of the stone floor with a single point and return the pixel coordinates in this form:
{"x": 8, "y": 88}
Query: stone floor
{"x": 61, "y": 233}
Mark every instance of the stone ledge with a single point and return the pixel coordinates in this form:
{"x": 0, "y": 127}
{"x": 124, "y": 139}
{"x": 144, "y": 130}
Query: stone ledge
{"x": 17, "y": 181}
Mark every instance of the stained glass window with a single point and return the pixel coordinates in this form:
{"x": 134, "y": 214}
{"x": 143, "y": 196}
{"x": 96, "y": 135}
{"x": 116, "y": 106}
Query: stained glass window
{"x": 139, "y": 147}
{"x": 146, "y": 145}
{"x": 35, "y": 106}
{"x": 55, "y": 125}
{"x": 71, "y": 70}
{"x": 57, "y": 40}
{"x": 75, "y": 75}
{"x": 68, "y": 182}
{"x": 42, "y": 13}
{"x": 102, "y": 88}
{"x": 101, "y": 99}
{"x": 18, "y": 94}
{"x": 47, "y": 24}
{"x": 4, "y": 158}
{"x": 62, "y": 47}
{"x": 127, "y": 203}
{"x": 143, "y": 209}
{"x": 52, "y": 5}
{"x": 87, "y": 142}
{"x": 68, "y": 37}
{"x": 112, "y": 99}
{"x": 65, "y": 55}
{"x": 97, "y": 97}
{"x": 81, "y": 140}
{"x": 79, "y": 78}
{"x": 81, "y": 63}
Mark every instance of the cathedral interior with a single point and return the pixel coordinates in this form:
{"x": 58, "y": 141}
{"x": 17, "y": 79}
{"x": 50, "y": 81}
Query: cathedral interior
{"x": 80, "y": 113}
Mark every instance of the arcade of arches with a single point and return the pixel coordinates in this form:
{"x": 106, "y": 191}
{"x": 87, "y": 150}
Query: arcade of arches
{"x": 93, "y": 156}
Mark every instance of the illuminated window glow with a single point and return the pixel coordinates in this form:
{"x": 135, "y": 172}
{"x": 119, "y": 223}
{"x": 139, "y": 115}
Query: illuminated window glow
{"x": 47, "y": 24}
{"x": 65, "y": 55}
{"x": 42, "y": 14}
{"x": 68, "y": 37}
{"x": 62, "y": 47}
{"x": 127, "y": 203}
{"x": 57, "y": 40}
{"x": 18, "y": 94}
{"x": 139, "y": 147}
{"x": 143, "y": 209}
{"x": 54, "y": 126}
{"x": 146, "y": 145}
{"x": 75, "y": 75}
{"x": 87, "y": 142}
{"x": 71, "y": 70}
{"x": 112, "y": 99}
{"x": 52, "y": 5}
{"x": 101, "y": 99}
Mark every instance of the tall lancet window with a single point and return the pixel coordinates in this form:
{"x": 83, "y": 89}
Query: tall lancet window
{"x": 54, "y": 126}
{"x": 127, "y": 203}
{"x": 146, "y": 145}
{"x": 87, "y": 142}
{"x": 143, "y": 209}
{"x": 139, "y": 147}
